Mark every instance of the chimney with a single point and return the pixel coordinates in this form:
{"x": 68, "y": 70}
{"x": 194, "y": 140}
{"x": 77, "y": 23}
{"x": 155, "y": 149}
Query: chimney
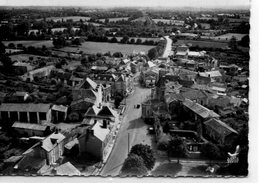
{"x": 91, "y": 132}
{"x": 53, "y": 140}
{"x": 104, "y": 124}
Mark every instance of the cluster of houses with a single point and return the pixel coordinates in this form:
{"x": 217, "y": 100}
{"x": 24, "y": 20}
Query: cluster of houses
{"x": 191, "y": 94}
{"x": 35, "y": 124}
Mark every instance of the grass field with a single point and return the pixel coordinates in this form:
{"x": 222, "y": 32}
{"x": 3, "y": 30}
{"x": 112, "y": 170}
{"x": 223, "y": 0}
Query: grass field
{"x": 47, "y": 43}
{"x": 74, "y": 18}
{"x": 227, "y": 37}
{"x": 97, "y": 47}
{"x": 114, "y": 19}
{"x": 213, "y": 44}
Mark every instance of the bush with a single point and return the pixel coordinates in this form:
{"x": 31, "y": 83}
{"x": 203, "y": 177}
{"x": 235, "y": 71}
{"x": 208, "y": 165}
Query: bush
{"x": 145, "y": 152}
{"x": 134, "y": 165}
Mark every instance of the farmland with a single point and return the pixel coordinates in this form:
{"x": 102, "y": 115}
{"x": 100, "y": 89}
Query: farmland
{"x": 227, "y": 37}
{"x": 114, "y": 19}
{"x": 47, "y": 43}
{"x": 97, "y": 47}
{"x": 74, "y": 18}
{"x": 208, "y": 44}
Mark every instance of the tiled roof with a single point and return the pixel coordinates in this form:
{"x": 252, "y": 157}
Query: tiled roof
{"x": 219, "y": 127}
{"x": 92, "y": 111}
{"x": 60, "y": 108}
{"x": 29, "y": 126}
{"x": 194, "y": 94}
{"x": 25, "y": 107}
{"x": 88, "y": 84}
{"x": 199, "y": 109}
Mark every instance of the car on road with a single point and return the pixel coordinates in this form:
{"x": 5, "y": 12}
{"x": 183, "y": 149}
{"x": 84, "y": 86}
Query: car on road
{"x": 151, "y": 130}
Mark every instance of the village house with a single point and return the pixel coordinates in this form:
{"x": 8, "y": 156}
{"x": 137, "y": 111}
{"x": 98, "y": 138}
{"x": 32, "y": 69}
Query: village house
{"x": 103, "y": 123}
{"x": 29, "y": 112}
{"x": 220, "y": 132}
{"x": 215, "y": 75}
{"x": 46, "y": 152}
{"x": 182, "y": 51}
{"x": 150, "y": 77}
{"x": 119, "y": 83}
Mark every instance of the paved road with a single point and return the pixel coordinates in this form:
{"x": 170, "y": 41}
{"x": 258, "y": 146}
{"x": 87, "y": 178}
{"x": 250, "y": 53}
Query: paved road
{"x": 133, "y": 125}
{"x": 168, "y": 47}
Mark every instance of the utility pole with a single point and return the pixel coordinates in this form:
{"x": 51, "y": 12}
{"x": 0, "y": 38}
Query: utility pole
{"x": 128, "y": 140}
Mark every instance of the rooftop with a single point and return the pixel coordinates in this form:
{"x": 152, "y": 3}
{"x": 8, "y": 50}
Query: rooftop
{"x": 48, "y": 144}
{"x": 220, "y": 127}
{"x": 29, "y": 126}
{"x": 199, "y": 109}
{"x": 30, "y": 107}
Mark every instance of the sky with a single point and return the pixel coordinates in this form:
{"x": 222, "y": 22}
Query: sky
{"x": 112, "y": 3}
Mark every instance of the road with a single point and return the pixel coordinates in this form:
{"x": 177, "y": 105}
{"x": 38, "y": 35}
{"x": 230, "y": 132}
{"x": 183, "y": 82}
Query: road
{"x": 133, "y": 125}
{"x": 168, "y": 47}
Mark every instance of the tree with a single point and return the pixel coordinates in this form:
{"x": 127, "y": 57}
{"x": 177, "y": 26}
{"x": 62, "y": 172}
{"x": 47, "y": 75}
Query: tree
{"x": 139, "y": 41}
{"x": 245, "y": 41}
{"x": 177, "y": 148}
{"x": 210, "y": 151}
{"x": 2, "y": 48}
{"x": 124, "y": 39}
{"x": 146, "y": 153}
{"x": 132, "y": 41}
{"x": 118, "y": 54}
{"x": 153, "y": 53}
{"x": 7, "y": 63}
{"x": 118, "y": 98}
{"x": 134, "y": 165}
{"x": 233, "y": 43}
{"x": 113, "y": 40}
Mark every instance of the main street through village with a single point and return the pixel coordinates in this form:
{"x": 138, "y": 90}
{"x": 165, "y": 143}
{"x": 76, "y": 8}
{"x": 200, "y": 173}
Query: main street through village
{"x": 133, "y": 131}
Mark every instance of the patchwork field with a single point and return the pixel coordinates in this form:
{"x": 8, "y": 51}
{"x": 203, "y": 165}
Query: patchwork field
{"x": 47, "y": 43}
{"x": 97, "y": 47}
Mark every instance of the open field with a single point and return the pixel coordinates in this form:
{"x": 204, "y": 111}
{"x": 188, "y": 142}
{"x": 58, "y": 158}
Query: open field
{"x": 98, "y": 47}
{"x": 47, "y": 43}
{"x": 114, "y": 19}
{"x": 209, "y": 44}
{"x": 74, "y": 18}
{"x": 228, "y": 36}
